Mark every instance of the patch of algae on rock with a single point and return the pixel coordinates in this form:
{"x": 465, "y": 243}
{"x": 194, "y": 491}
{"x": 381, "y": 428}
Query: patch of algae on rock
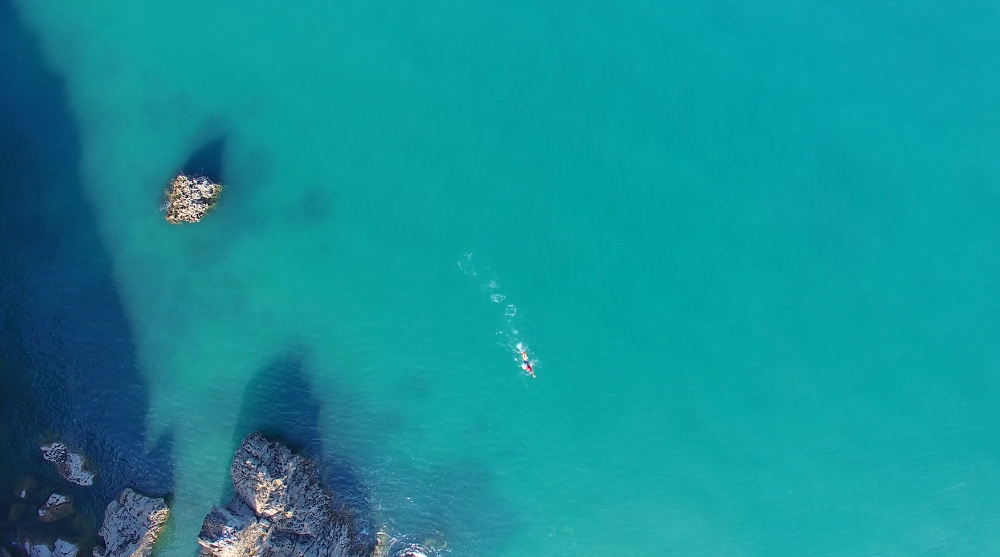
{"x": 189, "y": 198}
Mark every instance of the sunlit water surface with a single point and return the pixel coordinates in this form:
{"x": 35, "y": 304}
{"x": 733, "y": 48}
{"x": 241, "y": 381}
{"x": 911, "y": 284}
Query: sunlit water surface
{"x": 750, "y": 248}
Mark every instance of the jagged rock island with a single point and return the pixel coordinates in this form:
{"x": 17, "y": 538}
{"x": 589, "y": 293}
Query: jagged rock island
{"x": 131, "y": 525}
{"x": 69, "y": 464}
{"x": 281, "y": 509}
{"x": 190, "y": 198}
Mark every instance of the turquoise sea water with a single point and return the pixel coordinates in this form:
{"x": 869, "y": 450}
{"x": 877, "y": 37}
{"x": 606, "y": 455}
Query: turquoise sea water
{"x": 753, "y": 249}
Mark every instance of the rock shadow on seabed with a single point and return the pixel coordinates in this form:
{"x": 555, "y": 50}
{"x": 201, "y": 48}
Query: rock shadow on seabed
{"x": 279, "y": 402}
{"x": 207, "y": 160}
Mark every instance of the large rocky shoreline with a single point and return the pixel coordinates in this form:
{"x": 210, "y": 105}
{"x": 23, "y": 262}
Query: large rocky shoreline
{"x": 282, "y": 508}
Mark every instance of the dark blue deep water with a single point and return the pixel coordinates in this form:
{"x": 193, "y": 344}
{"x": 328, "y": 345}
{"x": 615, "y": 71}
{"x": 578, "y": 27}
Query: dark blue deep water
{"x": 67, "y": 361}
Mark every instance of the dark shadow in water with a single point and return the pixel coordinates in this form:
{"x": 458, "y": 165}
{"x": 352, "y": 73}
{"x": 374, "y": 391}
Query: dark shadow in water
{"x": 279, "y": 402}
{"x": 207, "y": 160}
{"x": 68, "y": 362}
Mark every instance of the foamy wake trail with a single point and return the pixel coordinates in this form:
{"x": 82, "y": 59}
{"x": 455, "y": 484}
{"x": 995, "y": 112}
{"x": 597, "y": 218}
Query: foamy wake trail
{"x": 506, "y": 312}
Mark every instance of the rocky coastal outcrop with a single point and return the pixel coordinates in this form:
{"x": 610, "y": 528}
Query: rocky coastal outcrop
{"x": 131, "y": 525}
{"x": 56, "y": 507}
{"x": 190, "y": 198}
{"x": 69, "y": 464}
{"x": 61, "y": 548}
{"x": 281, "y": 509}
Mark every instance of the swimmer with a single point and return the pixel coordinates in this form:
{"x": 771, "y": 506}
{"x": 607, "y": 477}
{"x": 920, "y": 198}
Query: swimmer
{"x": 526, "y": 366}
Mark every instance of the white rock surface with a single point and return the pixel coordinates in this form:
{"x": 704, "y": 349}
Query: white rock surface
{"x": 233, "y": 531}
{"x": 69, "y": 464}
{"x": 37, "y": 549}
{"x": 64, "y": 548}
{"x": 131, "y": 525}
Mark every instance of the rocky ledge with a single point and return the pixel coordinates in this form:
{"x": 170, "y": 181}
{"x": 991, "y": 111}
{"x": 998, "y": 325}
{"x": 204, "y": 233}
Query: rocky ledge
{"x": 131, "y": 525}
{"x": 281, "y": 509}
{"x": 69, "y": 464}
{"x": 190, "y": 198}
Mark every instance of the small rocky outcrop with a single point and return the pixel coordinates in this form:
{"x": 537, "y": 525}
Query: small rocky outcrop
{"x": 69, "y": 464}
{"x": 34, "y": 549}
{"x": 190, "y": 198}
{"x": 61, "y": 548}
{"x": 281, "y": 509}
{"x": 64, "y": 549}
{"x": 56, "y": 507}
{"x": 131, "y": 525}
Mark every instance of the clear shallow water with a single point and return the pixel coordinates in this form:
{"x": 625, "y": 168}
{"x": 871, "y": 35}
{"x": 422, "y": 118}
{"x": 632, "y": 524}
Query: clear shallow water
{"x": 751, "y": 249}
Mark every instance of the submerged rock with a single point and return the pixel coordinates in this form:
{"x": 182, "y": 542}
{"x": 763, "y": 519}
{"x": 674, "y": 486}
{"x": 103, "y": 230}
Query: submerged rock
{"x": 413, "y": 550}
{"x": 56, "y": 507}
{"x": 16, "y": 512}
{"x": 24, "y": 487}
{"x": 131, "y": 525}
{"x": 382, "y": 547}
{"x": 69, "y": 465}
{"x": 190, "y": 198}
{"x": 281, "y": 509}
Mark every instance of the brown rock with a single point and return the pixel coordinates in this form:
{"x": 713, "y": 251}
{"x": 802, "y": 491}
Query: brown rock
{"x": 56, "y": 507}
{"x": 190, "y": 198}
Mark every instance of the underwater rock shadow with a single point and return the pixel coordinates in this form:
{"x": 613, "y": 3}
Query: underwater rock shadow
{"x": 207, "y": 160}
{"x": 70, "y": 369}
{"x": 279, "y": 402}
